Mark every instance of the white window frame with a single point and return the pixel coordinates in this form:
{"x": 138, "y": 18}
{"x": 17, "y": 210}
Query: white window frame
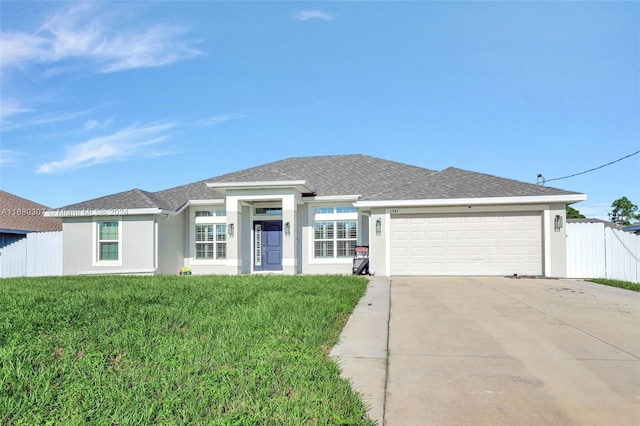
{"x": 210, "y": 213}
{"x": 327, "y": 213}
{"x": 218, "y": 217}
{"x": 214, "y": 242}
{"x": 97, "y": 241}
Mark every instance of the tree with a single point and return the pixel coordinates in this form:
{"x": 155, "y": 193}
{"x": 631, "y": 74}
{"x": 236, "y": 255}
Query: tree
{"x": 574, "y": 213}
{"x": 624, "y": 212}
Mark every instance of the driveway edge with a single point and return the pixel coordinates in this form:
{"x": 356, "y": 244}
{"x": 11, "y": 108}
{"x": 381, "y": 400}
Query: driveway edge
{"x": 361, "y": 351}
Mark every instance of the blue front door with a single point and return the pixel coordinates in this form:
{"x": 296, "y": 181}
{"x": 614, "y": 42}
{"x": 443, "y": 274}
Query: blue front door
{"x": 267, "y": 250}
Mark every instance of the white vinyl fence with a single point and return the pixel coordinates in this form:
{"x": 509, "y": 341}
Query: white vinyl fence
{"x": 597, "y": 251}
{"x": 37, "y": 255}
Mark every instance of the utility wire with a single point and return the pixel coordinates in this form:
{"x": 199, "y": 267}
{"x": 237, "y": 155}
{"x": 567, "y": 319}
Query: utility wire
{"x": 542, "y": 180}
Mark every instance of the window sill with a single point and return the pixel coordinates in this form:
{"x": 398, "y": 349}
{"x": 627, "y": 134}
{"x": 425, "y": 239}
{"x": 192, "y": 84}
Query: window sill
{"x": 219, "y": 262}
{"x": 107, "y": 263}
{"x": 339, "y": 260}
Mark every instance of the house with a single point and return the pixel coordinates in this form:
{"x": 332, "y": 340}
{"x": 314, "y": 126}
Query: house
{"x": 305, "y": 215}
{"x": 19, "y": 216}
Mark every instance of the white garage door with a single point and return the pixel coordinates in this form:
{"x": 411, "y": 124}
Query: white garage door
{"x": 478, "y": 244}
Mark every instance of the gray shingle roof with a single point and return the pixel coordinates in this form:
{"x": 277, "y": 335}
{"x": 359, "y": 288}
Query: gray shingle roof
{"x": 458, "y": 183}
{"x": 133, "y": 199}
{"x": 334, "y": 174}
{"x": 371, "y": 178}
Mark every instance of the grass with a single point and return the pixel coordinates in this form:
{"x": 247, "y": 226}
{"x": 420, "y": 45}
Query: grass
{"x": 244, "y": 350}
{"x": 616, "y": 283}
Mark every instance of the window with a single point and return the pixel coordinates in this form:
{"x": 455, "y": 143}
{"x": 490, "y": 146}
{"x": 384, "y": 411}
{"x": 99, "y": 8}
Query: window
{"x": 346, "y": 209}
{"x": 318, "y": 210}
{"x": 334, "y": 239}
{"x": 346, "y": 238}
{"x": 211, "y": 241}
{"x": 108, "y": 241}
{"x": 323, "y": 239}
{"x": 332, "y": 210}
{"x": 269, "y": 210}
{"x": 208, "y": 213}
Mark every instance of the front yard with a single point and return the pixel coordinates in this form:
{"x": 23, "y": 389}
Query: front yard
{"x": 172, "y": 350}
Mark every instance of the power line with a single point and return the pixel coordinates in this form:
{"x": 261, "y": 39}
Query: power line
{"x": 542, "y": 180}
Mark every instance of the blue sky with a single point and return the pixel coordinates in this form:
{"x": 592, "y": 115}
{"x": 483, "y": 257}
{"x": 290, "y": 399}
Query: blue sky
{"x": 102, "y": 97}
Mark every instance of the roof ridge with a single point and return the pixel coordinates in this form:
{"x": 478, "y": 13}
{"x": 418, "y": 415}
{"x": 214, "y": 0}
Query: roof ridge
{"x": 283, "y": 174}
{"x": 150, "y": 196}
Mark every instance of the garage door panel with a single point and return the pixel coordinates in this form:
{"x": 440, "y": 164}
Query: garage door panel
{"x": 418, "y": 251}
{"x": 473, "y": 250}
{"x": 451, "y": 251}
{"x": 479, "y": 244}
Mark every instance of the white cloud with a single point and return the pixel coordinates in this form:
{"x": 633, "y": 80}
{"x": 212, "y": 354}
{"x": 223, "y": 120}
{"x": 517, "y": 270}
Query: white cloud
{"x": 44, "y": 119}
{"x": 10, "y": 107}
{"x": 84, "y": 32}
{"x": 8, "y": 156}
{"x": 118, "y": 146}
{"x": 95, "y": 124}
{"x": 32, "y": 120}
{"x": 305, "y": 15}
{"x": 220, "y": 118}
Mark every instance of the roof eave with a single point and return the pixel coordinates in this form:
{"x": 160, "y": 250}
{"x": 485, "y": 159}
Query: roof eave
{"x": 212, "y": 201}
{"x": 353, "y": 197}
{"x": 544, "y": 199}
{"x": 92, "y": 212}
{"x": 300, "y": 185}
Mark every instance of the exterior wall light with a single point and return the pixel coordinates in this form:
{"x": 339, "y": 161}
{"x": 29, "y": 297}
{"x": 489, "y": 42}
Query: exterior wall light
{"x": 287, "y": 229}
{"x": 557, "y": 223}
{"x": 231, "y": 229}
{"x": 378, "y": 227}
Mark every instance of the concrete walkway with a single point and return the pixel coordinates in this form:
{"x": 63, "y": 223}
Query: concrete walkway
{"x": 494, "y": 351}
{"x": 362, "y": 349}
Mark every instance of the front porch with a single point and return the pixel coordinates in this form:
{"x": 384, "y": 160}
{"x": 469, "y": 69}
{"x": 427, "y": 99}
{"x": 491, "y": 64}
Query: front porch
{"x": 273, "y": 227}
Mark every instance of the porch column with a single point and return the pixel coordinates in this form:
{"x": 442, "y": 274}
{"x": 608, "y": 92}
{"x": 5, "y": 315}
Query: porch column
{"x": 234, "y": 235}
{"x": 379, "y": 242}
{"x": 290, "y": 238}
{"x": 555, "y": 241}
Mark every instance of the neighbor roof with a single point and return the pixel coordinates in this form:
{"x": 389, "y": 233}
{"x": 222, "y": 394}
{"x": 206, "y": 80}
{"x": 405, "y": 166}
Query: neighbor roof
{"x": 20, "y": 214}
{"x": 369, "y": 177}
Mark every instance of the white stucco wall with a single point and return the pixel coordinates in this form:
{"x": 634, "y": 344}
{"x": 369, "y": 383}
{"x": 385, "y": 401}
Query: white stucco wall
{"x": 555, "y": 241}
{"x": 379, "y": 244}
{"x": 77, "y": 245}
{"x": 245, "y": 240}
{"x": 170, "y": 243}
{"x": 137, "y": 243}
{"x": 302, "y": 222}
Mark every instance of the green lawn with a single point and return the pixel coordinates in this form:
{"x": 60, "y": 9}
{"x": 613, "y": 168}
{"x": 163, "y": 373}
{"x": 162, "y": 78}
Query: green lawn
{"x": 241, "y": 350}
{"x": 616, "y": 283}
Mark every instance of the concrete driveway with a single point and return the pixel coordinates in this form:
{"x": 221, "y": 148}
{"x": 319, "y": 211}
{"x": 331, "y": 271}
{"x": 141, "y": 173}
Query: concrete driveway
{"x": 481, "y": 350}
